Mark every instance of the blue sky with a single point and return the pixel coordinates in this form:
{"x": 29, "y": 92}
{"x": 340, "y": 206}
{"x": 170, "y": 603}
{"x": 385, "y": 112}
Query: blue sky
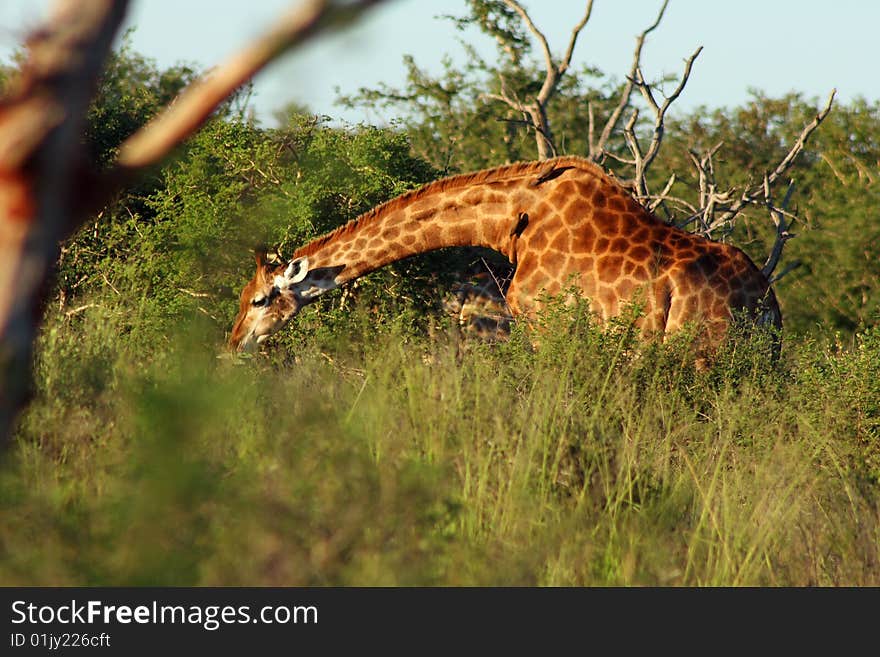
{"x": 776, "y": 46}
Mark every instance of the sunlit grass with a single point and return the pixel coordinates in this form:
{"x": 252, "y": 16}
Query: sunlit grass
{"x": 382, "y": 457}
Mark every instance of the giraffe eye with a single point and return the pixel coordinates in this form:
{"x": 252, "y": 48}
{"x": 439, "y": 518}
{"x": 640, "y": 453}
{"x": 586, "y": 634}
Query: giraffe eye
{"x": 260, "y": 301}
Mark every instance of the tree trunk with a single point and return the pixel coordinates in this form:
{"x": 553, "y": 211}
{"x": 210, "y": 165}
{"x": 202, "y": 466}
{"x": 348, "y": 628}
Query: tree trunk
{"x": 42, "y": 198}
{"x": 543, "y": 135}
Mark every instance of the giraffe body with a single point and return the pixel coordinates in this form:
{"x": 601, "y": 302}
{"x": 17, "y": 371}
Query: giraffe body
{"x": 563, "y": 223}
{"x": 479, "y": 306}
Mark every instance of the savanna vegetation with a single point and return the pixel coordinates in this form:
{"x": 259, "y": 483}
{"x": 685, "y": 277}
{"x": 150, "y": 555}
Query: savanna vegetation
{"x": 372, "y": 443}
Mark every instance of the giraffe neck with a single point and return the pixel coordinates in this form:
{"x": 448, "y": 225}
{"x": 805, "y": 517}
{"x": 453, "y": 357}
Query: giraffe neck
{"x": 482, "y": 209}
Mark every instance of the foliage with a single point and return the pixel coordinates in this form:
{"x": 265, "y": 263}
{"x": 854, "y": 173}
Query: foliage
{"x": 132, "y": 91}
{"x": 454, "y": 124}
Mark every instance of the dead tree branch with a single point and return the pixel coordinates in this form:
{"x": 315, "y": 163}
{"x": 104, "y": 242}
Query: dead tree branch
{"x": 47, "y": 187}
{"x": 597, "y": 149}
{"x": 750, "y": 195}
{"x": 718, "y": 211}
{"x": 641, "y": 158}
{"x": 534, "y": 111}
{"x": 777, "y": 215}
{"x": 708, "y": 190}
{"x": 644, "y": 162}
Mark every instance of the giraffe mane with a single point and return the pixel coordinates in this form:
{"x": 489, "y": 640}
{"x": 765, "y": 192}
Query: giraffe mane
{"x": 457, "y": 181}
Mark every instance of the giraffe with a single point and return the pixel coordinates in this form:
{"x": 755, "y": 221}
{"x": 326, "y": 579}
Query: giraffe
{"x": 479, "y": 306}
{"x": 560, "y": 222}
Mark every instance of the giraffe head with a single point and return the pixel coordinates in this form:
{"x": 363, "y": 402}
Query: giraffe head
{"x": 269, "y": 301}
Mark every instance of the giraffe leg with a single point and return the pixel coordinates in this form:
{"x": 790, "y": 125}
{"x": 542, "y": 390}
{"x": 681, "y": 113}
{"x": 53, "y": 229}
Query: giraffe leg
{"x": 655, "y": 311}
{"x": 708, "y": 330}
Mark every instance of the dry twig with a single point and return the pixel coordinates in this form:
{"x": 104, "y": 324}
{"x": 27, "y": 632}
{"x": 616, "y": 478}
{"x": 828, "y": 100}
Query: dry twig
{"x": 597, "y": 149}
{"x": 718, "y": 210}
{"x": 534, "y": 112}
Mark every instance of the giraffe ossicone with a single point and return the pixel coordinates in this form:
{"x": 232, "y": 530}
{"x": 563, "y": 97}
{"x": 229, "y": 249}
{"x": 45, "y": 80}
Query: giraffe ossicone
{"x": 297, "y": 270}
{"x": 557, "y": 221}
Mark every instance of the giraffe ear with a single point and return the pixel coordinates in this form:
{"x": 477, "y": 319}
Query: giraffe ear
{"x": 296, "y": 270}
{"x": 264, "y": 258}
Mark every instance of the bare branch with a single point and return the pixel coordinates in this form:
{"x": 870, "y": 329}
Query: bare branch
{"x": 591, "y": 125}
{"x": 801, "y": 141}
{"x": 79, "y": 309}
{"x": 785, "y": 271}
{"x": 643, "y": 159}
{"x": 569, "y": 51}
{"x": 504, "y": 98}
{"x": 542, "y": 40}
{"x": 712, "y": 201}
{"x": 749, "y": 196}
{"x": 658, "y": 200}
{"x": 782, "y": 234}
{"x": 660, "y": 110}
{"x": 192, "y": 108}
{"x": 708, "y": 195}
{"x": 630, "y": 134}
{"x": 597, "y": 150}
{"x": 687, "y": 206}
{"x": 511, "y": 100}
{"x": 537, "y": 109}
{"x": 622, "y": 160}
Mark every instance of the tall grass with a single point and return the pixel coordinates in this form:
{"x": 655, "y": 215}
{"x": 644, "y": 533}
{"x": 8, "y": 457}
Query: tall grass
{"x": 373, "y": 455}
